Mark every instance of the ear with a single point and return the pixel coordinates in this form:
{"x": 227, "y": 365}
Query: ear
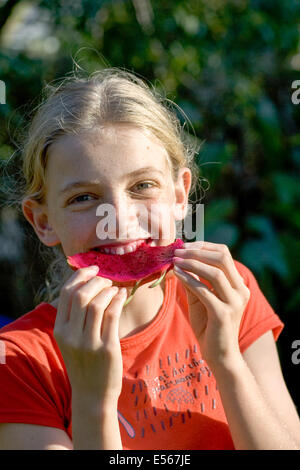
{"x": 182, "y": 189}
{"x": 36, "y": 215}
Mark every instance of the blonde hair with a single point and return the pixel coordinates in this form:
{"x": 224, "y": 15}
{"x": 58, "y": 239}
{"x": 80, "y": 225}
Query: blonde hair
{"x": 108, "y": 96}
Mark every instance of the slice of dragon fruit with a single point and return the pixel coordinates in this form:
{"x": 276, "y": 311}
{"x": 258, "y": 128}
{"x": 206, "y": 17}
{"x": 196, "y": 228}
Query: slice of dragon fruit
{"x": 144, "y": 264}
{"x": 131, "y": 269}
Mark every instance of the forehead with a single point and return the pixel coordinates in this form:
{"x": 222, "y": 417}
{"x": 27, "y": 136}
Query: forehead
{"x": 108, "y": 151}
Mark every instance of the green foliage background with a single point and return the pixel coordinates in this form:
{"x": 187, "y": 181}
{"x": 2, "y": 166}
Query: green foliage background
{"x": 230, "y": 66}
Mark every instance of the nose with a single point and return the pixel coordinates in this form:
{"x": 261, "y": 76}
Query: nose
{"x": 122, "y": 219}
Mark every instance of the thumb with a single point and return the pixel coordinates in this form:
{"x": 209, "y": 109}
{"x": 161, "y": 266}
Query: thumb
{"x": 191, "y": 284}
{"x": 197, "y": 309}
{"x": 110, "y": 330}
{"x": 197, "y": 313}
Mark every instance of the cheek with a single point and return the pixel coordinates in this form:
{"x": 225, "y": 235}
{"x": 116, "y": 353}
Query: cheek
{"x": 161, "y": 220}
{"x": 74, "y": 231}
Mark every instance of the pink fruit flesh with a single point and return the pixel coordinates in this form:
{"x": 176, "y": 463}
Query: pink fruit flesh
{"x": 145, "y": 262}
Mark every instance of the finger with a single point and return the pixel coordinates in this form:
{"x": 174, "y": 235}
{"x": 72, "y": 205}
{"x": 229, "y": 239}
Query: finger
{"x": 65, "y": 297}
{"x": 215, "y": 276}
{"x": 221, "y": 259}
{"x": 200, "y": 290}
{"x": 81, "y": 299}
{"x": 111, "y": 319}
{"x": 205, "y": 245}
{"x": 94, "y": 315}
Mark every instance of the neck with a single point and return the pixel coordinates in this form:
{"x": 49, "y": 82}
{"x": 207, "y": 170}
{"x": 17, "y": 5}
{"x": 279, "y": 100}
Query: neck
{"x": 141, "y": 310}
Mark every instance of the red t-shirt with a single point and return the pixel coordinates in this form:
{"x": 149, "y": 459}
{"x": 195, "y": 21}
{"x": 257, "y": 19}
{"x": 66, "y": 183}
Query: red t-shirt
{"x": 169, "y": 399}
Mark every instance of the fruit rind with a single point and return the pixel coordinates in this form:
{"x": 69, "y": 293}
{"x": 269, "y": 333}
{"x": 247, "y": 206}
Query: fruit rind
{"x": 145, "y": 264}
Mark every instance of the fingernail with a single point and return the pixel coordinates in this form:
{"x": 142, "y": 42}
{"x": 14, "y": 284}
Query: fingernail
{"x": 94, "y": 268}
{"x": 178, "y": 251}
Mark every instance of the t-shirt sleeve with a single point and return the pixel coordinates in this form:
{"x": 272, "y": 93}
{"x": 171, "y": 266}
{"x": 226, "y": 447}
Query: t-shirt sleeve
{"x": 29, "y": 389}
{"x": 258, "y": 317}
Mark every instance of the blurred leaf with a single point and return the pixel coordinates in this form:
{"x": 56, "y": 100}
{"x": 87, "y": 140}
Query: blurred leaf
{"x": 217, "y": 228}
{"x": 293, "y": 302}
{"x": 219, "y": 209}
{"x": 296, "y": 156}
{"x": 224, "y": 233}
{"x": 286, "y": 187}
{"x": 291, "y": 248}
{"x": 266, "y": 251}
{"x": 267, "y": 120}
{"x": 214, "y": 157}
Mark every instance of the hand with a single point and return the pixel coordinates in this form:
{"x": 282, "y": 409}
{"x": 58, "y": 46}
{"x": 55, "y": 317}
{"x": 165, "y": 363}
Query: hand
{"x": 86, "y": 331}
{"x": 216, "y": 312}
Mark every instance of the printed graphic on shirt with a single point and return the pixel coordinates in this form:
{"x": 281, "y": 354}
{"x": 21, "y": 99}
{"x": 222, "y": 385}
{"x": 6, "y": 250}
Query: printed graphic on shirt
{"x": 168, "y": 394}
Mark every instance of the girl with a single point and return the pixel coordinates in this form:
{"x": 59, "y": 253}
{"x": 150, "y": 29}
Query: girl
{"x": 188, "y": 364}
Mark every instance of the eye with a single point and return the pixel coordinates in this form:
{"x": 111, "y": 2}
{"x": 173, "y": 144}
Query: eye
{"x": 143, "y": 183}
{"x": 82, "y": 196}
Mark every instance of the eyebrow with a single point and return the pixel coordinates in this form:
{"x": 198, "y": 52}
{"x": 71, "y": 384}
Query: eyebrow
{"x": 77, "y": 184}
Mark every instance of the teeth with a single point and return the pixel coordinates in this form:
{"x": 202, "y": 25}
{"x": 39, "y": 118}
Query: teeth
{"x": 121, "y": 250}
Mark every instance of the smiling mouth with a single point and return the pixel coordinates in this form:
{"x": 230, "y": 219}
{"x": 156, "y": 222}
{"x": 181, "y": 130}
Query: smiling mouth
{"x": 124, "y": 248}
